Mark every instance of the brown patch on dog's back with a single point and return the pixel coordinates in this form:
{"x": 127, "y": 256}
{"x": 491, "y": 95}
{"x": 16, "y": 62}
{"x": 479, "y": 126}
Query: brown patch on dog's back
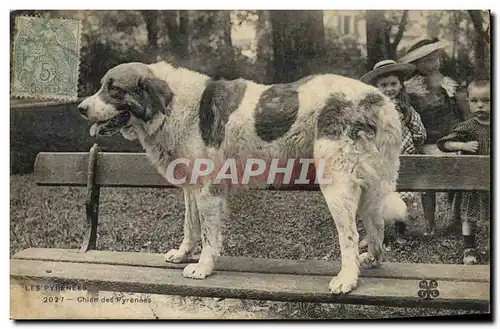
{"x": 340, "y": 115}
{"x": 220, "y": 99}
{"x": 371, "y": 99}
{"x": 277, "y": 109}
{"x": 334, "y": 117}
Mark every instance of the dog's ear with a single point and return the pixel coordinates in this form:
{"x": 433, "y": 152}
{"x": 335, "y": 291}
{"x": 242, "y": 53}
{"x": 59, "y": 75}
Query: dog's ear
{"x": 158, "y": 90}
{"x": 156, "y": 96}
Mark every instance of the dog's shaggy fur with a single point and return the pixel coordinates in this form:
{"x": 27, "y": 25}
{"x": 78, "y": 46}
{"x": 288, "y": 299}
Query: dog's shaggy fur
{"x": 178, "y": 113}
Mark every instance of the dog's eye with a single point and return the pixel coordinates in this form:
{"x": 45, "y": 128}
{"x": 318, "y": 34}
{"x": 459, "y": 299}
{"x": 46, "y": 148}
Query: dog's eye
{"x": 115, "y": 91}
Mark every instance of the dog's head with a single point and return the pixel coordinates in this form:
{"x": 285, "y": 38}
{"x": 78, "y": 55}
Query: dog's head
{"x": 129, "y": 93}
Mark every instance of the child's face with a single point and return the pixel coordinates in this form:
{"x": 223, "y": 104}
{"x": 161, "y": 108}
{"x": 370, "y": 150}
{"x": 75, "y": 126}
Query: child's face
{"x": 430, "y": 63}
{"x": 479, "y": 99}
{"x": 389, "y": 85}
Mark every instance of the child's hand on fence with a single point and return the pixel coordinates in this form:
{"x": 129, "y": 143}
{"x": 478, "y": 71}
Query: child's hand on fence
{"x": 470, "y": 146}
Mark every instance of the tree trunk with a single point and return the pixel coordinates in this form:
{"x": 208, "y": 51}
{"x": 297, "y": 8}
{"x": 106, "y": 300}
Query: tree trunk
{"x": 298, "y": 43}
{"x": 399, "y": 34}
{"x": 177, "y": 23}
{"x": 264, "y": 44}
{"x": 378, "y": 43}
{"x": 152, "y": 26}
{"x": 455, "y": 33}
{"x": 182, "y": 48}
{"x": 481, "y": 55}
{"x": 432, "y": 26}
{"x": 481, "y": 49}
{"x": 226, "y": 42}
{"x": 222, "y": 29}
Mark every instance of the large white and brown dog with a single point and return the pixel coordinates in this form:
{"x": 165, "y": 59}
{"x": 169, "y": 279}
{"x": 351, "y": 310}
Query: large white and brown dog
{"x": 177, "y": 113}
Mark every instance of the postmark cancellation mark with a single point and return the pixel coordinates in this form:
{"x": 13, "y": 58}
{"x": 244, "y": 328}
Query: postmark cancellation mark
{"x": 46, "y": 58}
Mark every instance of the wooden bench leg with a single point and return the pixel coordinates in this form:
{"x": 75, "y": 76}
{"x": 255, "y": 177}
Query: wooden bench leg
{"x": 92, "y": 209}
{"x": 91, "y": 202}
{"x": 429, "y": 206}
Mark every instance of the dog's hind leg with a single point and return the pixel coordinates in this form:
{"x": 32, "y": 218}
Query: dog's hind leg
{"x": 373, "y": 222}
{"x": 192, "y": 231}
{"x": 342, "y": 194}
{"x": 213, "y": 211}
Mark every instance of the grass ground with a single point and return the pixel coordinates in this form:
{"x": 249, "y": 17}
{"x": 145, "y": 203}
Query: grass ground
{"x": 295, "y": 225}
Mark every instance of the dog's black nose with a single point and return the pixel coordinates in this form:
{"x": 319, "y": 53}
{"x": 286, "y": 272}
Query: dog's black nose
{"x": 83, "y": 109}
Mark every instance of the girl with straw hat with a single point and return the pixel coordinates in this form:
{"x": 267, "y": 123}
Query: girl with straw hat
{"x": 389, "y": 76}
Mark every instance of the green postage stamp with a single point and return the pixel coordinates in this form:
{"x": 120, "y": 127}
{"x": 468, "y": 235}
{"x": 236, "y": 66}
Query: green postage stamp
{"x": 46, "y": 58}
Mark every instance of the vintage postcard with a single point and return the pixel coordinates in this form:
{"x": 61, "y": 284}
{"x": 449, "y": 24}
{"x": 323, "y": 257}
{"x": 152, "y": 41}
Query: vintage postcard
{"x": 250, "y": 164}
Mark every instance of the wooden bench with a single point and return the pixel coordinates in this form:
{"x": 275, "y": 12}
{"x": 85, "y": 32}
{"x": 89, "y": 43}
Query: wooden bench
{"x": 393, "y": 284}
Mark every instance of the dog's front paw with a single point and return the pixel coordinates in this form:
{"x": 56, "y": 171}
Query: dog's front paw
{"x": 368, "y": 261}
{"x": 176, "y": 256}
{"x": 343, "y": 283}
{"x": 197, "y": 271}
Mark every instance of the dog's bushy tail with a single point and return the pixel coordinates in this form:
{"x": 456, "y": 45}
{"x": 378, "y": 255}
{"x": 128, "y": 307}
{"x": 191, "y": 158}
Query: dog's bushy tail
{"x": 393, "y": 208}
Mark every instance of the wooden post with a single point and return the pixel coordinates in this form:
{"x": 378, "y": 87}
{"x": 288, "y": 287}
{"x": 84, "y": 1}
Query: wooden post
{"x": 91, "y": 202}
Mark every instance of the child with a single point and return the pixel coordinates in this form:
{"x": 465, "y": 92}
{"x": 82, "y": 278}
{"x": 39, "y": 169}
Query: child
{"x": 389, "y": 76}
{"x": 472, "y": 137}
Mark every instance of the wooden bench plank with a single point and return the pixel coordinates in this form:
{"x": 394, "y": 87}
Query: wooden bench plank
{"x": 418, "y": 172}
{"x": 28, "y": 104}
{"x": 427, "y": 172}
{"x": 244, "y": 285}
{"x": 446, "y": 272}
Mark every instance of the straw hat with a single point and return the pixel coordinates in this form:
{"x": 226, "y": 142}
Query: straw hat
{"x": 422, "y": 48}
{"x": 388, "y": 66}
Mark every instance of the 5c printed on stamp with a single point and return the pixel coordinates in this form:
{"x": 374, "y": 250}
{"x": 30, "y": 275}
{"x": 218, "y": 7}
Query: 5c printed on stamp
{"x": 46, "y": 58}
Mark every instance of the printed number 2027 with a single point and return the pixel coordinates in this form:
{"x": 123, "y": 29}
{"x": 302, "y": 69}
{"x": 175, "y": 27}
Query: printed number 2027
{"x": 53, "y": 299}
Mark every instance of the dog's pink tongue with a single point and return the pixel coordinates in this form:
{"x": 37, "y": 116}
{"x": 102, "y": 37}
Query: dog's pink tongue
{"x": 94, "y": 130}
